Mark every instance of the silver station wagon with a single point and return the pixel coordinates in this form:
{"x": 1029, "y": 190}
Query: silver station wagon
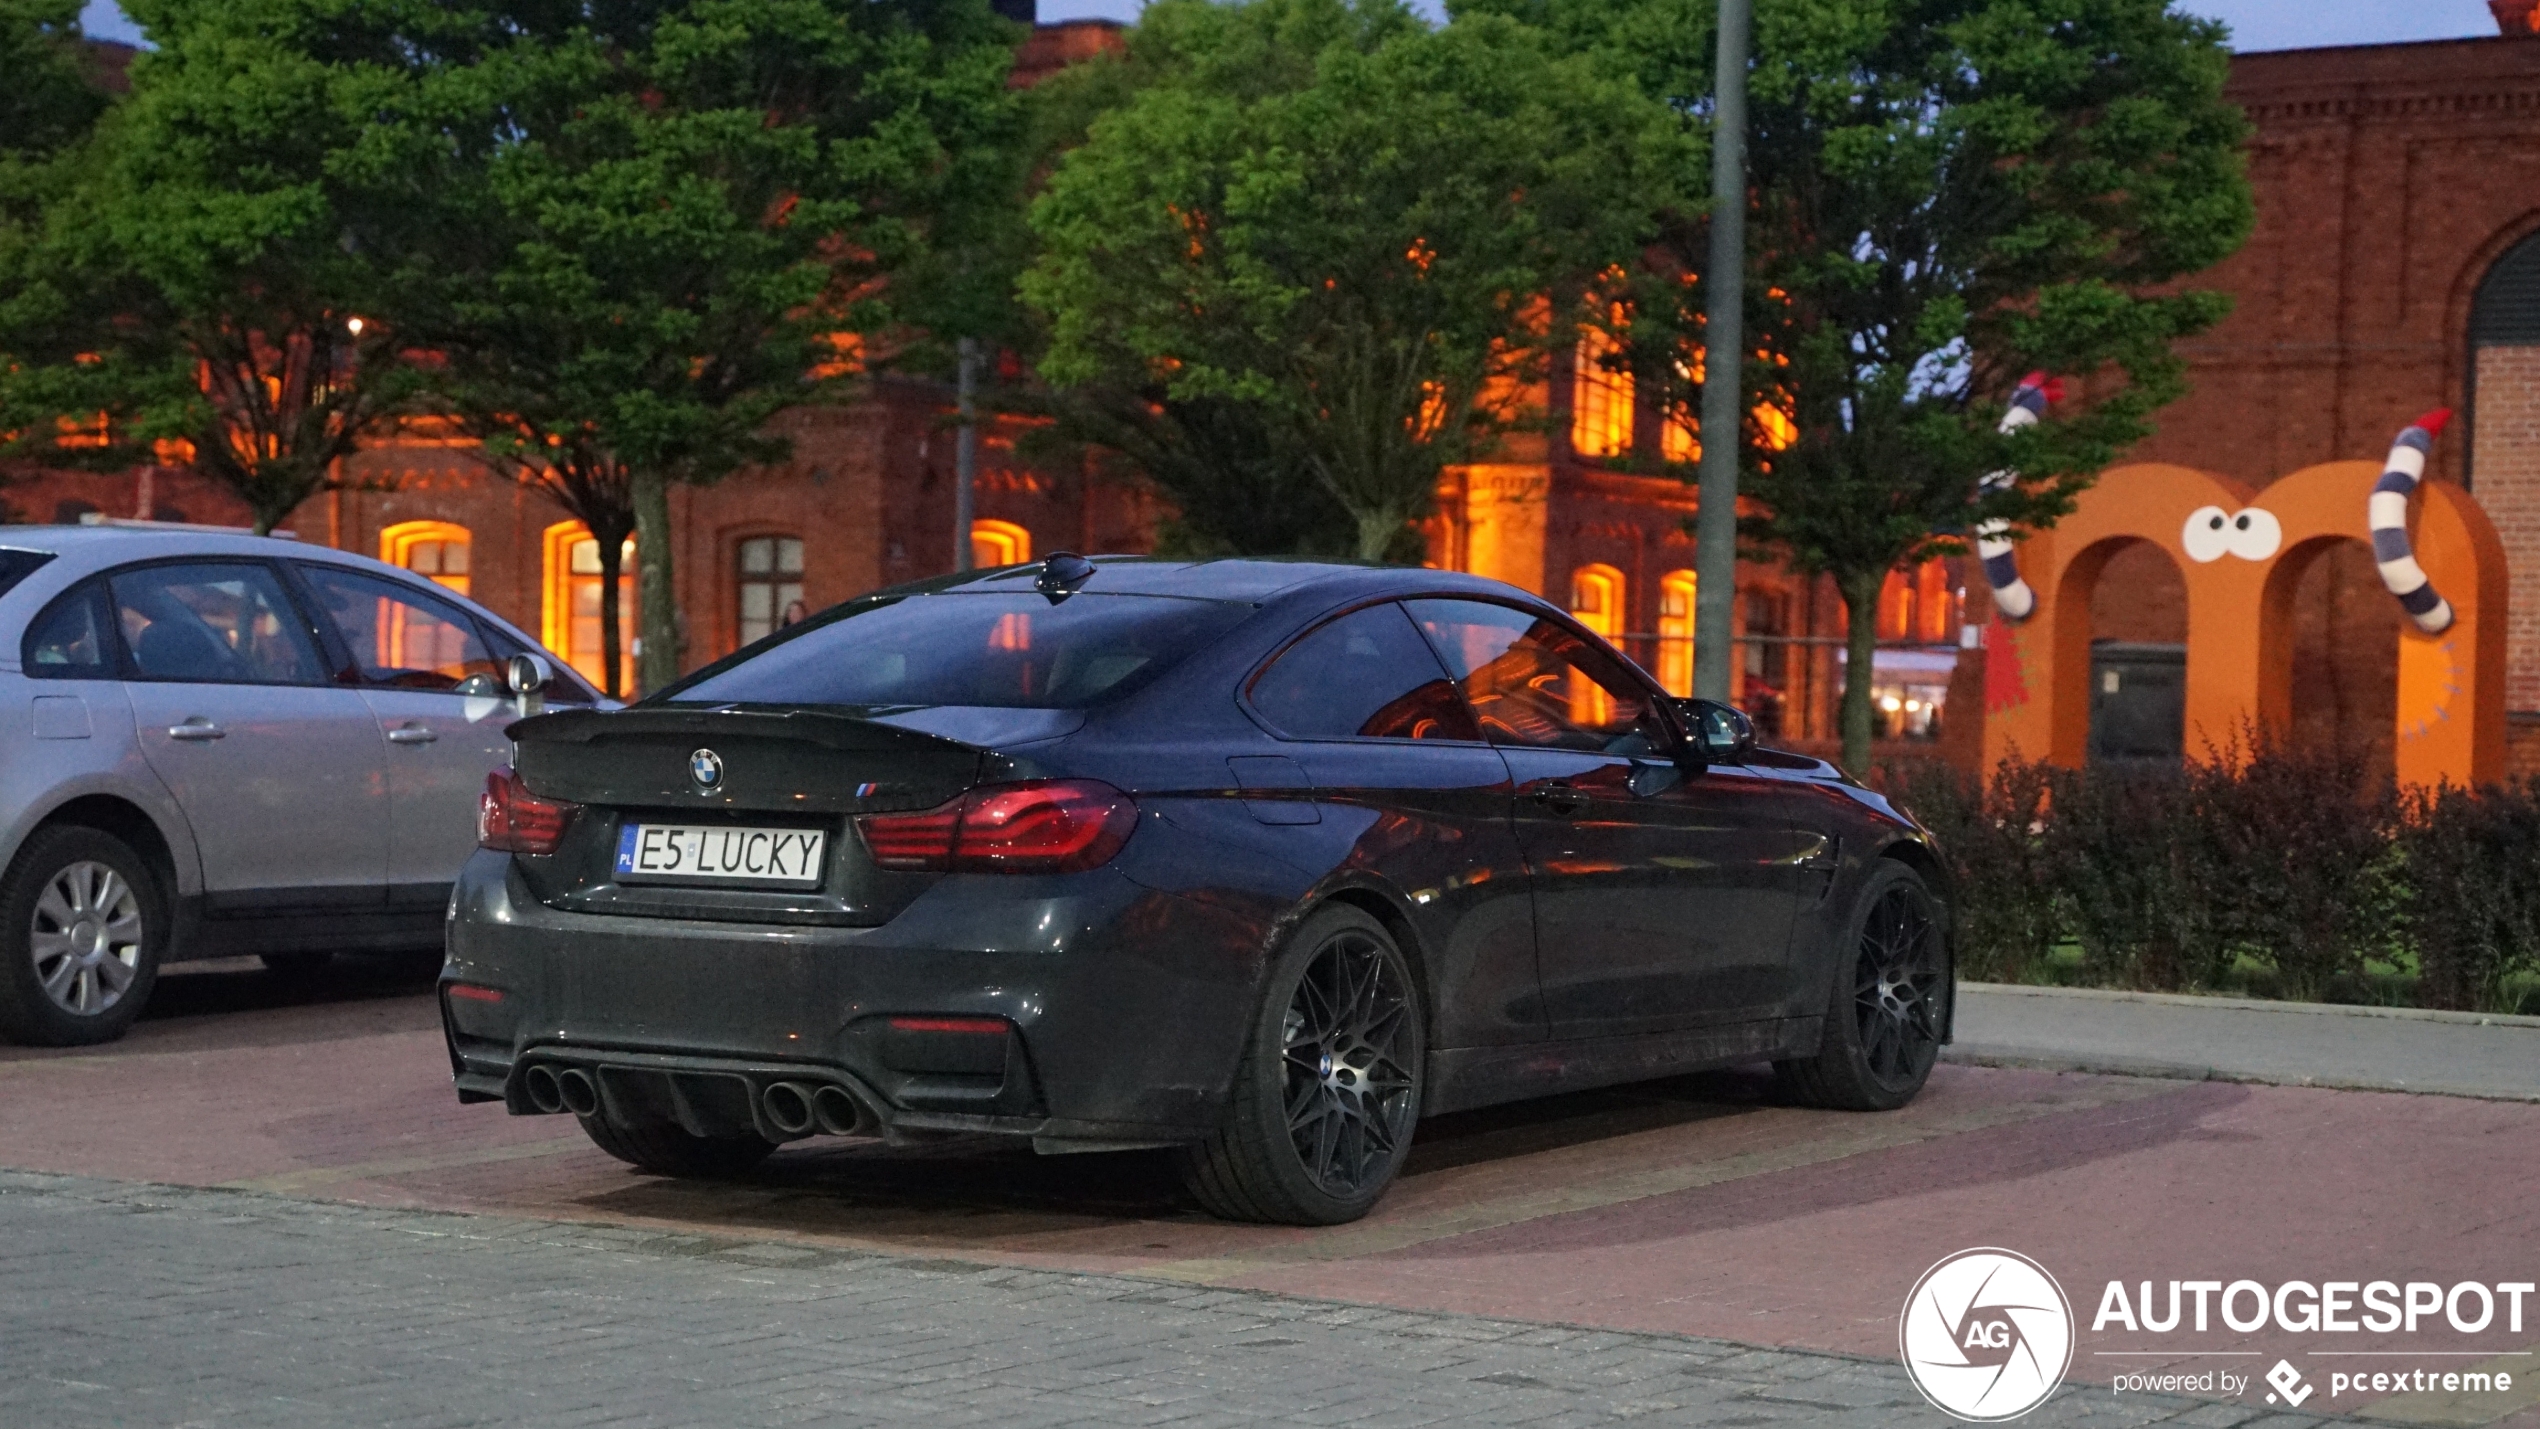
{"x": 215, "y": 744}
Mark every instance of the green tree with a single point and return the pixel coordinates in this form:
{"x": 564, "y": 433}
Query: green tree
{"x": 691, "y": 204}
{"x": 213, "y": 267}
{"x": 1946, "y": 194}
{"x": 1340, "y": 227}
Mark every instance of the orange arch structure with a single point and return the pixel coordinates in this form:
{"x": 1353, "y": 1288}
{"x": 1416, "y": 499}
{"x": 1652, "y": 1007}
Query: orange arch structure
{"x": 2240, "y": 577}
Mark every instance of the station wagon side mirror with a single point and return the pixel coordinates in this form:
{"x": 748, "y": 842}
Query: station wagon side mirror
{"x": 1720, "y": 734}
{"x": 528, "y": 676}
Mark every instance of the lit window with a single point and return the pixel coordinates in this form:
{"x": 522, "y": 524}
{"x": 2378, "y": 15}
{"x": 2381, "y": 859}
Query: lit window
{"x": 998, "y": 543}
{"x": 771, "y": 589}
{"x": 1675, "y": 633}
{"x": 1600, "y": 398}
{"x": 572, "y": 614}
{"x": 436, "y": 550}
{"x": 1596, "y": 599}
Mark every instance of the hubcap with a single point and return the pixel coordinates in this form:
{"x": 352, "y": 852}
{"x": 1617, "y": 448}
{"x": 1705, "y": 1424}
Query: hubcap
{"x": 1351, "y": 1095}
{"x": 86, "y": 938}
{"x": 1896, "y": 994}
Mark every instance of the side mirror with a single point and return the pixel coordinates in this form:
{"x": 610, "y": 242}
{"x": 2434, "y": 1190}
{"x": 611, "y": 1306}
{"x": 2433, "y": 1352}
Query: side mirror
{"x": 1720, "y": 734}
{"x": 528, "y": 674}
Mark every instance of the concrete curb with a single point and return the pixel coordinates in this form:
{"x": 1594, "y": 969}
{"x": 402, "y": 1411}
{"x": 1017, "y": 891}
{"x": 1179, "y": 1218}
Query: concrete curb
{"x": 2028, "y": 1059}
{"x": 2253, "y": 1004}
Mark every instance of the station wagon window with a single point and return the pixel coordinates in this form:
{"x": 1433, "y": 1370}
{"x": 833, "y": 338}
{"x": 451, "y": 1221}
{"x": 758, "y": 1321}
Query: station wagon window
{"x": 68, "y": 640}
{"x": 1367, "y": 675}
{"x": 403, "y": 638}
{"x": 1007, "y": 651}
{"x": 226, "y": 623}
{"x": 1532, "y": 681}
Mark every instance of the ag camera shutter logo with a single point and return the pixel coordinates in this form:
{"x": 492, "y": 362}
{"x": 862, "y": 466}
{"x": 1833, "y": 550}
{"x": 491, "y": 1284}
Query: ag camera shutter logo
{"x": 1986, "y": 1335}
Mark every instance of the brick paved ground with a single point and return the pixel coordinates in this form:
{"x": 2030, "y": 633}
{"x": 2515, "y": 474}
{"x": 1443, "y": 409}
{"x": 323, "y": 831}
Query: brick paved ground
{"x": 126, "y": 1306}
{"x": 1665, "y": 1219}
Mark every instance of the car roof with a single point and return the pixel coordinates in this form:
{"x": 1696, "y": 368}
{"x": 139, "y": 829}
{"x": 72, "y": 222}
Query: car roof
{"x": 124, "y": 540}
{"x": 1245, "y": 578}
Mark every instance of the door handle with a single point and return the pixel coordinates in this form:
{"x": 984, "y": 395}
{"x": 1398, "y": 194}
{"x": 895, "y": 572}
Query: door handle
{"x": 411, "y": 734}
{"x": 197, "y": 728}
{"x": 1559, "y": 796}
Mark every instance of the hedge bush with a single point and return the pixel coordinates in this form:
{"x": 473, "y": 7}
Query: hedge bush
{"x": 2265, "y": 870}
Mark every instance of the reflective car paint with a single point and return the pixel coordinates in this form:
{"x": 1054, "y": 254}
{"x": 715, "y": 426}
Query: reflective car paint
{"x": 1128, "y": 986}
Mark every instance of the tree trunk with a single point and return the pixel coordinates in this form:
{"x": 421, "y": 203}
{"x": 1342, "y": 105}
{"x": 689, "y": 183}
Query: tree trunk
{"x": 1861, "y": 630}
{"x": 1375, "y": 534}
{"x": 612, "y": 544}
{"x": 655, "y": 604}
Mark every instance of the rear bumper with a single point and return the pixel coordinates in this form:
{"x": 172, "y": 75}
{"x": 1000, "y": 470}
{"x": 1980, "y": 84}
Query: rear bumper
{"x": 1076, "y": 1010}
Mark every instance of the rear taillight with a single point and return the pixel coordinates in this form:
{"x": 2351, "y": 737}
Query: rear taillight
{"x": 1042, "y": 826}
{"x": 510, "y": 819}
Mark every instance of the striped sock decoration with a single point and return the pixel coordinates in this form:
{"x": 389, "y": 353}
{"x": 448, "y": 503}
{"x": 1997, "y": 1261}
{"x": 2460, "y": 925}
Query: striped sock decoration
{"x": 2388, "y": 513}
{"x": 2011, "y": 595}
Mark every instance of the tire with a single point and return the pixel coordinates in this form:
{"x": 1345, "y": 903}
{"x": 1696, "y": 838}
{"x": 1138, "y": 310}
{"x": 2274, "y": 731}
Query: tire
{"x": 669, "y": 1151}
{"x": 296, "y": 966}
{"x": 1893, "y": 986}
{"x": 83, "y": 926}
{"x": 1340, "y": 1039}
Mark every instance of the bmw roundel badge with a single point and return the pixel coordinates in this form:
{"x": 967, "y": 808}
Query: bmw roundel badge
{"x": 706, "y": 767}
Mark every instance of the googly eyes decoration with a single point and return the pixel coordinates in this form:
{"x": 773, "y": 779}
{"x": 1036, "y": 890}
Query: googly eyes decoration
{"x": 2212, "y": 533}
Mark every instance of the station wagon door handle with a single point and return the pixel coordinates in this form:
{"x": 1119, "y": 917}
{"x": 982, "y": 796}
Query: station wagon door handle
{"x": 411, "y": 734}
{"x": 197, "y": 728}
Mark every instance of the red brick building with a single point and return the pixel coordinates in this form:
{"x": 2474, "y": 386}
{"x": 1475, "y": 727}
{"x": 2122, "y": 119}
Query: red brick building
{"x": 2394, "y": 268}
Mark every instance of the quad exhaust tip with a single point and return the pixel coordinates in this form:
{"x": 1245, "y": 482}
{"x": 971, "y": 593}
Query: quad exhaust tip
{"x": 838, "y": 1113}
{"x": 539, "y": 1085}
{"x": 789, "y": 1107}
{"x": 581, "y": 1095}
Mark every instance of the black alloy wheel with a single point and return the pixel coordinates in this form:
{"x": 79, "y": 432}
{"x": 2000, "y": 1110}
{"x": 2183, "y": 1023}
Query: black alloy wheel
{"x": 1329, "y": 1092}
{"x": 1884, "y": 1022}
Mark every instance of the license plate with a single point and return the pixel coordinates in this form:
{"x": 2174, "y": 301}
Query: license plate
{"x": 689, "y": 853}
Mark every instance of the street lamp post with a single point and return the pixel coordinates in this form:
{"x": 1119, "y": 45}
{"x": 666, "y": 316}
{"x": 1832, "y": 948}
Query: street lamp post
{"x": 1724, "y": 348}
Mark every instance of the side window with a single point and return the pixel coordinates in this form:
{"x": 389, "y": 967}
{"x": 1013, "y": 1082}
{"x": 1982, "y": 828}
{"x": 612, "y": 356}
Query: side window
{"x": 1532, "y": 682}
{"x": 1367, "y": 675}
{"x": 68, "y": 640}
{"x": 217, "y": 621}
{"x": 401, "y": 637}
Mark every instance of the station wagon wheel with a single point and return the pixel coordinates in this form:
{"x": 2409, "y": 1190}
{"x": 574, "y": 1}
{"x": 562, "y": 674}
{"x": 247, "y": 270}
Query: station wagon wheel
{"x": 1328, "y": 1094}
{"x": 84, "y": 929}
{"x": 1884, "y": 1021}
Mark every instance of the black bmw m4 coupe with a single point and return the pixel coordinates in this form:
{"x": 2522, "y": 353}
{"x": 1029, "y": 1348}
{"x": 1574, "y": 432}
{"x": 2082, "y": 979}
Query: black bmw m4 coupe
{"x": 1261, "y": 861}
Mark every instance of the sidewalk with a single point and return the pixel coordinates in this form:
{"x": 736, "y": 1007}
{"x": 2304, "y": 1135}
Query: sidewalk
{"x": 2231, "y": 1039}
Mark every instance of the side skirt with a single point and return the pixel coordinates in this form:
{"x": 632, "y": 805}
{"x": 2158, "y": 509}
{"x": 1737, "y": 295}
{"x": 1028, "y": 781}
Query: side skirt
{"x": 1463, "y": 1078}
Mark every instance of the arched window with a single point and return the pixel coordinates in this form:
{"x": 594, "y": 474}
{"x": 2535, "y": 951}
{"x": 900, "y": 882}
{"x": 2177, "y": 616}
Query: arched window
{"x": 1600, "y": 398}
{"x": 436, "y": 550}
{"x": 998, "y": 543}
{"x": 571, "y": 626}
{"x": 1596, "y": 598}
{"x": 770, "y": 570}
{"x": 2504, "y": 339}
{"x": 1676, "y": 592}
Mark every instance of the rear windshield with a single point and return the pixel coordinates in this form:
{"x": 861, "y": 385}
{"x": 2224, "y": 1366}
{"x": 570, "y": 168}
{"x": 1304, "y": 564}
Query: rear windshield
{"x": 1007, "y": 651}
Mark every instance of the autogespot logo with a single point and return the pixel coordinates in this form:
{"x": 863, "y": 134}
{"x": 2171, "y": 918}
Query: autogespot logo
{"x": 1987, "y": 1335}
